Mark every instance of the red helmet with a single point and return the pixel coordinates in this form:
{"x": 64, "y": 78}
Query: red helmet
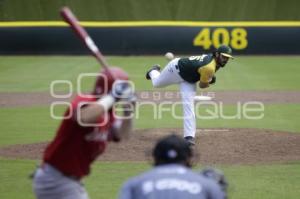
{"x": 106, "y": 79}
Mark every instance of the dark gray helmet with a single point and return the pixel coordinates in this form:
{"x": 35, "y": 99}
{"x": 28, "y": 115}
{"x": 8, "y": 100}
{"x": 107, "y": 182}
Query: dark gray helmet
{"x": 171, "y": 149}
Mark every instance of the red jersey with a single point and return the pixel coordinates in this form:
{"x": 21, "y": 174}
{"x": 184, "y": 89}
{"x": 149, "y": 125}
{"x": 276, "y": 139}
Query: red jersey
{"x": 75, "y": 147}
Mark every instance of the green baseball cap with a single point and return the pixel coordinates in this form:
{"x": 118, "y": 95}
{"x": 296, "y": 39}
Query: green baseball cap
{"x": 225, "y": 51}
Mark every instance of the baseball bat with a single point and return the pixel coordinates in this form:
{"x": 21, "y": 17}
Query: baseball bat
{"x": 71, "y": 19}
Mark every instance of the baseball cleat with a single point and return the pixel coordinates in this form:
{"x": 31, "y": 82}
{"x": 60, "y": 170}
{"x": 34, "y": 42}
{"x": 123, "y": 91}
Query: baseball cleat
{"x": 155, "y": 67}
{"x": 190, "y": 140}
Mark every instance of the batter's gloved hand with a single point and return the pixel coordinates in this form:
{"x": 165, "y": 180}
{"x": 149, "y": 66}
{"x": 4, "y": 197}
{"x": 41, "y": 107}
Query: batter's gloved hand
{"x": 129, "y": 105}
{"x": 122, "y": 90}
{"x": 213, "y": 80}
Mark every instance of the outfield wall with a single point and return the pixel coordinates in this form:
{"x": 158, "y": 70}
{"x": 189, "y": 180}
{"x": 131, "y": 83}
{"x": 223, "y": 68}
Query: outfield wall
{"x": 157, "y": 37}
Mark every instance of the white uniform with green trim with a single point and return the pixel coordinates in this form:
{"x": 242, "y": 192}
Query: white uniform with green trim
{"x": 186, "y": 72}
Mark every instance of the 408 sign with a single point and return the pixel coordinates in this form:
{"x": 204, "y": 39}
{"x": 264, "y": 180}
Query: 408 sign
{"x": 157, "y": 38}
{"x": 207, "y": 38}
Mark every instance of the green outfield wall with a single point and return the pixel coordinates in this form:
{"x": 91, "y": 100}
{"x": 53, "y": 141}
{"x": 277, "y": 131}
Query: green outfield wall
{"x": 156, "y": 37}
{"x": 136, "y": 10}
{"x": 125, "y": 27}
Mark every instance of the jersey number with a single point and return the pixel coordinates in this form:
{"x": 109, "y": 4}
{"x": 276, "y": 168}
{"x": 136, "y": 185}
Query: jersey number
{"x": 199, "y": 58}
{"x": 237, "y": 38}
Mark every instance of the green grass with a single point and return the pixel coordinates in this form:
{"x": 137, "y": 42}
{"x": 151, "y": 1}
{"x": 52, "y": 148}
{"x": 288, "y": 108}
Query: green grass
{"x": 260, "y": 182}
{"x": 16, "y": 72}
{"x": 243, "y": 73}
{"x": 264, "y": 181}
{"x": 26, "y": 125}
{"x": 14, "y": 178}
{"x": 260, "y": 73}
{"x": 34, "y": 124}
{"x": 276, "y": 117}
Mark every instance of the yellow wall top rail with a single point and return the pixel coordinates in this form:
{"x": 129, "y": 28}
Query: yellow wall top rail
{"x": 154, "y": 23}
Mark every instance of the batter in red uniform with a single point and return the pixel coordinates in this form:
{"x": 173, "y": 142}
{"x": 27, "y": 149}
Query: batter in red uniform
{"x": 82, "y": 137}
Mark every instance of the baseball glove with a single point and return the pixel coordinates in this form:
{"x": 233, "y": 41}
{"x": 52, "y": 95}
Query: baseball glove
{"x": 213, "y": 80}
{"x": 217, "y": 176}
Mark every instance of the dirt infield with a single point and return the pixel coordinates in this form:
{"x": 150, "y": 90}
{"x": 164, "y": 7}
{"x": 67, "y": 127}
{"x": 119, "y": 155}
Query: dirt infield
{"x": 214, "y": 146}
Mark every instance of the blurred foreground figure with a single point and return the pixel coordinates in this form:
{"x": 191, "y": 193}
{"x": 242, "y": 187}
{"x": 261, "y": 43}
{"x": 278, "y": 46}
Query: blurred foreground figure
{"x": 83, "y": 134}
{"x": 171, "y": 177}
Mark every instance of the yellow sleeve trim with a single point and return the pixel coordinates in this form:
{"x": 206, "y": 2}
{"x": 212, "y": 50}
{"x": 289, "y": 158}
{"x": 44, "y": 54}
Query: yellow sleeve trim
{"x": 207, "y": 72}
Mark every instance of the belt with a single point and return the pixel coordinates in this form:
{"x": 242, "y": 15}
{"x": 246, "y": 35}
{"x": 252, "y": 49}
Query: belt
{"x": 49, "y": 166}
{"x": 73, "y": 178}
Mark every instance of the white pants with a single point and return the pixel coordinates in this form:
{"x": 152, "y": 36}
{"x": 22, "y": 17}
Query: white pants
{"x": 168, "y": 76}
{"x": 49, "y": 183}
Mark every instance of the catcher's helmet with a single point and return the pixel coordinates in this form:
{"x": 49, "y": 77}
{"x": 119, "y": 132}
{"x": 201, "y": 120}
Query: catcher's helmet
{"x": 172, "y": 149}
{"x": 105, "y": 80}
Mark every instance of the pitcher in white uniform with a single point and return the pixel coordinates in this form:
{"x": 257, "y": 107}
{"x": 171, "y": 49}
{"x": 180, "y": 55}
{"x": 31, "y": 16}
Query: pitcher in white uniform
{"x": 187, "y": 72}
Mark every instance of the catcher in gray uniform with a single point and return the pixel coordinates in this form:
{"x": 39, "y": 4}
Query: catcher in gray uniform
{"x": 171, "y": 177}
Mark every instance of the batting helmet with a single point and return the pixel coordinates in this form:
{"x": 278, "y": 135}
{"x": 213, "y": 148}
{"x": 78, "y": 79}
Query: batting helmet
{"x": 172, "y": 149}
{"x": 106, "y": 79}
